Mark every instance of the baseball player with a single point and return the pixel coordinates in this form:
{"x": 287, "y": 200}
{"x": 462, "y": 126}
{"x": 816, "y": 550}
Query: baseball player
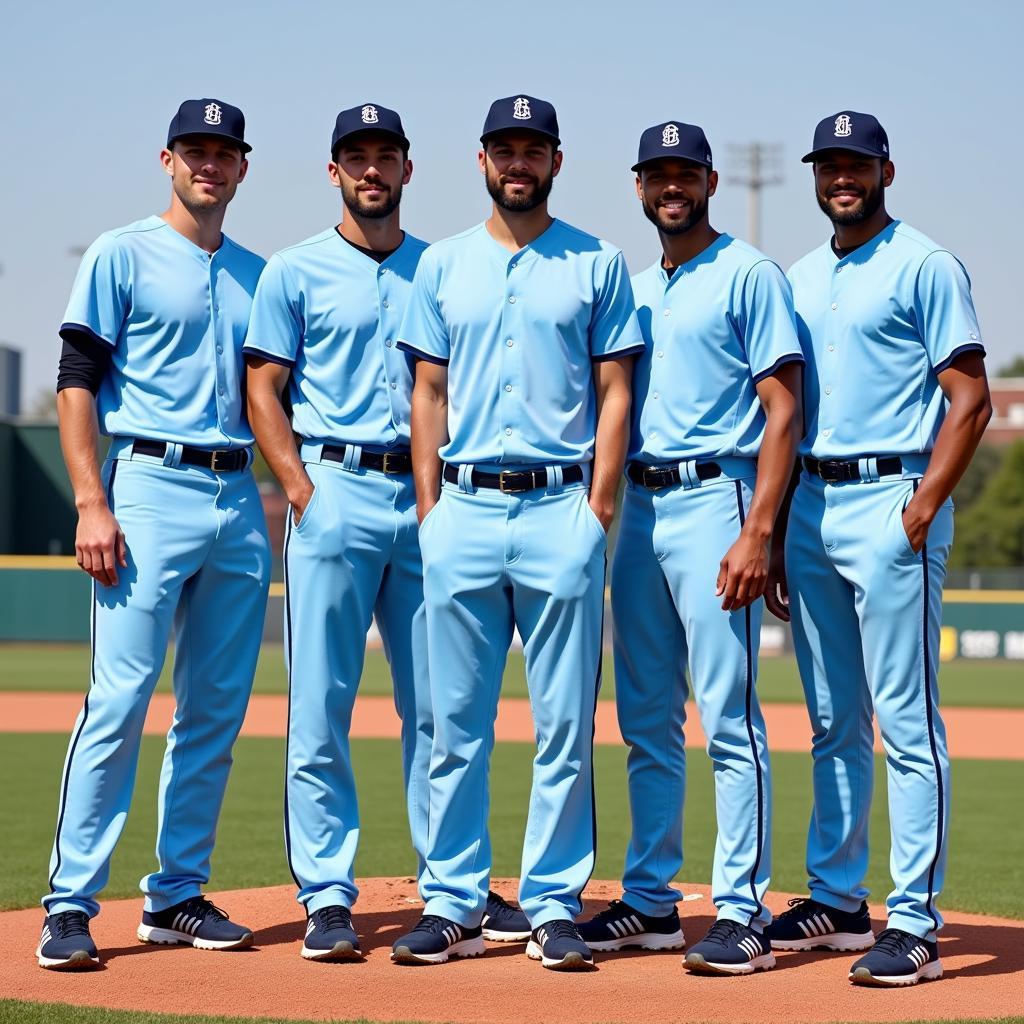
{"x": 896, "y": 402}
{"x": 523, "y": 329}
{"x": 715, "y": 426}
{"x": 324, "y": 325}
{"x": 171, "y": 529}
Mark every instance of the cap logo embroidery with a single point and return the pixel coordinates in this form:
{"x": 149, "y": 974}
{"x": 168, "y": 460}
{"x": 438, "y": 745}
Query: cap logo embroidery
{"x": 521, "y": 110}
{"x": 211, "y": 113}
{"x": 843, "y": 126}
{"x": 369, "y": 114}
{"x": 670, "y": 135}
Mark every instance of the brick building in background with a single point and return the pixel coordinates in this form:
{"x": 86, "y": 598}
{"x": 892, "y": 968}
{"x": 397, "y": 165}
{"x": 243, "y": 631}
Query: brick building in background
{"x": 1007, "y": 422}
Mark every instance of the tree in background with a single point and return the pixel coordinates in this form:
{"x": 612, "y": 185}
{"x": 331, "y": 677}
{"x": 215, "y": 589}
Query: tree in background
{"x": 1015, "y": 368}
{"x": 990, "y": 530}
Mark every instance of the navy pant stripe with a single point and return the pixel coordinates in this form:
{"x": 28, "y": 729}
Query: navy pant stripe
{"x": 288, "y": 719}
{"x": 930, "y": 695}
{"x": 753, "y": 741}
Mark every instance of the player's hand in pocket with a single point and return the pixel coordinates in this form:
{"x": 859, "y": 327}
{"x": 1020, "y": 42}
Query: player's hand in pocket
{"x": 99, "y": 544}
{"x": 776, "y": 595}
{"x": 743, "y": 573}
{"x": 300, "y": 500}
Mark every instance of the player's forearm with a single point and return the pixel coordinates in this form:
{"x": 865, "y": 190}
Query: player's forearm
{"x": 274, "y": 435}
{"x": 774, "y": 470}
{"x": 958, "y": 439}
{"x": 429, "y": 429}
{"x": 79, "y": 437}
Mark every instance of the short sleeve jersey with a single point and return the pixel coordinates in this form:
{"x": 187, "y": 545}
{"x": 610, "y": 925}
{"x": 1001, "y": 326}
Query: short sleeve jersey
{"x": 519, "y": 333}
{"x": 332, "y": 313}
{"x": 722, "y": 322}
{"x": 174, "y": 317}
{"x": 877, "y": 328}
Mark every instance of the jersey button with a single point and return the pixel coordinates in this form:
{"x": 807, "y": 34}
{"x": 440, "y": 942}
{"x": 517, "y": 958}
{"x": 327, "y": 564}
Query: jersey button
{"x": 387, "y": 344}
{"x": 393, "y": 385}
{"x": 827, "y": 433}
{"x": 828, "y": 390}
{"x": 831, "y": 348}
{"x": 512, "y": 299}
{"x": 220, "y": 350}
{"x": 508, "y": 431}
{"x": 661, "y": 355}
{"x": 668, "y": 312}
{"x": 509, "y": 342}
{"x": 386, "y": 304}
{"x": 839, "y": 270}
{"x": 383, "y": 270}
{"x": 508, "y": 387}
{"x": 835, "y": 305}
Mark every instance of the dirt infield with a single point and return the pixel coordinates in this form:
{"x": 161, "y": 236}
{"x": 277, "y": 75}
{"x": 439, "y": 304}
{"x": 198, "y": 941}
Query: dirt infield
{"x": 983, "y": 959}
{"x": 986, "y": 733}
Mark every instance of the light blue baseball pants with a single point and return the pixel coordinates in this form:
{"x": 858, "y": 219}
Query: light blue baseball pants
{"x": 198, "y": 563}
{"x": 354, "y": 555}
{"x": 667, "y": 619}
{"x": 867, "y": 613}
{"x": 492, "y": 561}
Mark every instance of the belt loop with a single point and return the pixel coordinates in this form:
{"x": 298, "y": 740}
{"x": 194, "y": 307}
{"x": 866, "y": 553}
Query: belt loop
{"x": 867, "y": 469}
{"x": 172, "y": 454}
{"x": 317, "y": 452}
{"x": 688, "y": 474}
{"x": 554, "y": 474}
{"x": 250, "y": 456}
{"x": 352, "y": 457}
{"x": 466, "y": 478}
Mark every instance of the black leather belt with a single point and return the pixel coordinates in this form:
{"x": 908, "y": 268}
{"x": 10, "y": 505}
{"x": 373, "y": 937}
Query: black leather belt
{"x": 654, "y": 478}
{"x": 514, "y": 483}
{"x": 837, "y": 471}
{"x": 225, "y": 461}
{"x": 383, "y": 462}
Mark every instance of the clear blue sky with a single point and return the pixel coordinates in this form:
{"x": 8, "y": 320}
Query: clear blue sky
{"x": 90, "y": 88}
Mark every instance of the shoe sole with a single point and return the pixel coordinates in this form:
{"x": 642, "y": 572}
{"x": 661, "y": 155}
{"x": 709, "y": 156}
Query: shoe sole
{"x": 466, "y": 948}
{"x": 929, "y": 972}
{"x": 80, "y": 960}
{"x": 570, "y": 962}
{"x": 838, "y": 942}
{"x": 339, "y": 952}
{"x": 695, "y": 962}
{"x": 495, "y": 936}
{"x": 645, "y": 940}
{"x": 169, "y": 937}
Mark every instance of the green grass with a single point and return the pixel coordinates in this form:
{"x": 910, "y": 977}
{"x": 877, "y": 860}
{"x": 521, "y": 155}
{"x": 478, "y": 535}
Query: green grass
{"x": 984, "y": 876}
{"x": 13, "y": 1011}
{"x": 66, "y": 667}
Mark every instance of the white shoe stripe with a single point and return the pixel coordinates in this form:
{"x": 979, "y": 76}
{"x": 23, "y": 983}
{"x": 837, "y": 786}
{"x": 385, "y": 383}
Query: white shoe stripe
{"x": 177, "y": 920}
{"x": 828, "y": 922}
{"x": 310, "y": 926}
{"x": 196, "y": 924}
{"x": 804, "y": 928}
{"x": 616, "y": 929}
{"x": 637, "y": 926}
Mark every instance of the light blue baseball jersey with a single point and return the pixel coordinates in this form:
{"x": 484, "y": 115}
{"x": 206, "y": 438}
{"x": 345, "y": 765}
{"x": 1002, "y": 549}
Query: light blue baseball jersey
{"x": 877, "y": 327}
{"x": 519, "y": 333}
{"x": 332, "y": 313}
{"x": 722, "y": 322}
{"x": 174, "y": 317}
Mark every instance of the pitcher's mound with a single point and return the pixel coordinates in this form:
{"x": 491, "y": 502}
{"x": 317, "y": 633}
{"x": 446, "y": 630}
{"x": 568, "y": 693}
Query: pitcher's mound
{"x": 983, "y": 958}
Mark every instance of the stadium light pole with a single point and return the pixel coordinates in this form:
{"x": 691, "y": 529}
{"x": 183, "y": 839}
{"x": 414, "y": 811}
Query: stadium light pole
{"x": 761, "y": 163}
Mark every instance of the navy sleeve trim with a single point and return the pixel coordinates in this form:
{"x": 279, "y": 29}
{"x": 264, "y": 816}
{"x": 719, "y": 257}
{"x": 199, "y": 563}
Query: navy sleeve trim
{"x": 946, "y": 363}
{"x": 249, "y": 350}
{"x": 789, "y": 357}
{"x": 622, "y": 353}
{"x": 420, "y": 354}
{"x": 70, "y": 330}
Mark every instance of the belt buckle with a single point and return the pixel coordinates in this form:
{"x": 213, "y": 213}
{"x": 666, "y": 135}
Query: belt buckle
{"x": 652, "y": 486}
{"x": 386, "y": 465}
{"x": 510, "y": 489}
{"x": 831, "y": 471}
{"x": 214, "y": 463}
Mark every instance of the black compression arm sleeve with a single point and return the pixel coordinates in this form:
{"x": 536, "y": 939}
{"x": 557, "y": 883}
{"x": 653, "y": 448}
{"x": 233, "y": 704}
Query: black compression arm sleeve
{"x": 84, "y": 362}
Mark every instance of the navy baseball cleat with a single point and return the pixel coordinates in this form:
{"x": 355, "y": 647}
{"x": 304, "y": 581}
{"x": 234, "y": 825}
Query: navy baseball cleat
{"x": 559, "y": 947}
{"x": 434, "y": 940}
{"x": 65, "y": 943}
{"x": 503, "y": 922}
{"x": 330, "y": 935}
{"x": 809, "y": 924}
{"x": 195, "y": 921}
{"x": 619, "y": 926}
{"x": 730, "y": 948}
{"x": 897, "y": 958}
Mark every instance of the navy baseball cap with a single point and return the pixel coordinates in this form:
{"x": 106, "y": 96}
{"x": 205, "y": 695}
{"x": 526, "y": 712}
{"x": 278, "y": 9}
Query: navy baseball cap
{"x": 673, "y": 139}
{"x": 209, "y": 117}
{"x": 521, "y": 113}
{"x": 859, "y": 133}
{"x": 368, "y": 117}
